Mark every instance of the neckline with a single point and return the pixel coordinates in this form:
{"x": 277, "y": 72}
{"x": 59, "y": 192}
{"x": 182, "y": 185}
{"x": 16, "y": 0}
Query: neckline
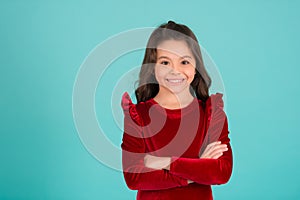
{"x": 188, "y": 107}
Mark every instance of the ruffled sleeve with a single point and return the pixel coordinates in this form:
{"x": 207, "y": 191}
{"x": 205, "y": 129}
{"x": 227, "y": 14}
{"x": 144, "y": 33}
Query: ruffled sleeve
{"x": 213, "y": 103}
{"x": 130, "y": 109}
{"x": 216, "y": 119}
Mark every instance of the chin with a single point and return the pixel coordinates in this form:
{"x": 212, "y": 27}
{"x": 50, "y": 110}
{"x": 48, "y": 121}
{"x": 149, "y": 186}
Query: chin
{"x": 178, "y": 90}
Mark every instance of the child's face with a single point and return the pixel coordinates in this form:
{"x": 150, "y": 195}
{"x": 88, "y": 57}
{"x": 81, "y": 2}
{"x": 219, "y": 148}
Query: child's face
{"x": 175, "y": 66}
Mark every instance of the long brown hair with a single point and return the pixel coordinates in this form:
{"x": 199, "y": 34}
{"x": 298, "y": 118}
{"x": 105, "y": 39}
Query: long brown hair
{"x": 148, "y": 86}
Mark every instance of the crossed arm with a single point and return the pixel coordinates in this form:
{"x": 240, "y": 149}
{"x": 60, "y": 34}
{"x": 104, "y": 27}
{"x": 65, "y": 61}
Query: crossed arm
{"x": 213, "y": 151}
{"x": 146, "y": 172}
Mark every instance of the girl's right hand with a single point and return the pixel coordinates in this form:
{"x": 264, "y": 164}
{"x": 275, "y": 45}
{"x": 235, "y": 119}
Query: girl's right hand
{"x": 214, "y": 150}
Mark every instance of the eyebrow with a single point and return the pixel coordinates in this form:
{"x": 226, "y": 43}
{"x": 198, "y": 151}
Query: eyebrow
{"x": 161, "y": 57}
{"x": 187, "y": 57}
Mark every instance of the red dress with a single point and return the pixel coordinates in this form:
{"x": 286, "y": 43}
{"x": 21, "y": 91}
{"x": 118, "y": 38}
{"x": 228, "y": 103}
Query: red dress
{"x": 181, "y": 134}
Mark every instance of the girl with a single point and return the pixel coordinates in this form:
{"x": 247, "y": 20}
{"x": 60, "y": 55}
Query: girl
{"x": 175, "y": 142}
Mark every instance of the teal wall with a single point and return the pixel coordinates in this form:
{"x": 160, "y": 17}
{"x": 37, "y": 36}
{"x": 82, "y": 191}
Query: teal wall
{"x": 255, "y": 45}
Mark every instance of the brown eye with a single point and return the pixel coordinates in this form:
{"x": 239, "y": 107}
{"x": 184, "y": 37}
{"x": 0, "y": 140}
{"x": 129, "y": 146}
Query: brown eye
{"x": 185, "y": 62}
{"x": 164, "y": 62}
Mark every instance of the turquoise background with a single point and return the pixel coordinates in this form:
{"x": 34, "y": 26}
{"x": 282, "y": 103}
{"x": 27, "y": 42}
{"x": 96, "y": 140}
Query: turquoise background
{"x": 255, "y": 45}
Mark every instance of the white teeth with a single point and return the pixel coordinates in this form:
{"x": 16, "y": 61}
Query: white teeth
{"x": 174, "y": 80}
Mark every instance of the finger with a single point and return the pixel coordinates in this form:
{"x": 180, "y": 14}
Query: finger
{"x": 214, "y": 143}
{"x": 219, "y": 146}
{"x": 216, "y": 156}
{"x": 208, "y": 147}
{"x": 216, "y": 150}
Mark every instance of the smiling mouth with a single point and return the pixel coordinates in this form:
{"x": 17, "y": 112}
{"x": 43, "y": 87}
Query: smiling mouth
{"x": 175, "y": 80}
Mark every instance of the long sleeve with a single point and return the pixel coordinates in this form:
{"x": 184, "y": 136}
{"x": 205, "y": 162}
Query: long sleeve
{"x": 209, "y": 171}
{"x": 137, "y": 176}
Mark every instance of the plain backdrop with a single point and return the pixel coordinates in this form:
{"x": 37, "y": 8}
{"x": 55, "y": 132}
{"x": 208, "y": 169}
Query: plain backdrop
{"x": 255, "y": 45}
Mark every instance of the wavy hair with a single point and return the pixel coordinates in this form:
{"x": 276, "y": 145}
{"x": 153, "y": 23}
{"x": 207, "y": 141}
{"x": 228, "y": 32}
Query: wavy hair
{"x": 147, "y": 84}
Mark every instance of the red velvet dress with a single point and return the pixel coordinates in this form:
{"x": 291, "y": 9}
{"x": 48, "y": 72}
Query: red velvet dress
{"x": 181, "y": 134}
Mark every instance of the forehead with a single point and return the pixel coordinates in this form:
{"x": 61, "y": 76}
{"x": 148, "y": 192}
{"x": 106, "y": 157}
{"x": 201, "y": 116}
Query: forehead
{"x": 174, "y": 47}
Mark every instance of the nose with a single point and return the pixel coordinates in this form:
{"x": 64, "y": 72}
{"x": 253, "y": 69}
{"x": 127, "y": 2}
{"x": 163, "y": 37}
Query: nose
{"x": 173, "y": 72}
{"x": 175, "y": 69}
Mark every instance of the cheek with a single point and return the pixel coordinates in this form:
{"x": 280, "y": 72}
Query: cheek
{"x": 190, "y": 73}
{"x": 160, "y": 72}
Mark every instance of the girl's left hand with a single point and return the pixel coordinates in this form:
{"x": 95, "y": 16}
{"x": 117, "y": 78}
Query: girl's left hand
{"x": 156, "y": 162}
